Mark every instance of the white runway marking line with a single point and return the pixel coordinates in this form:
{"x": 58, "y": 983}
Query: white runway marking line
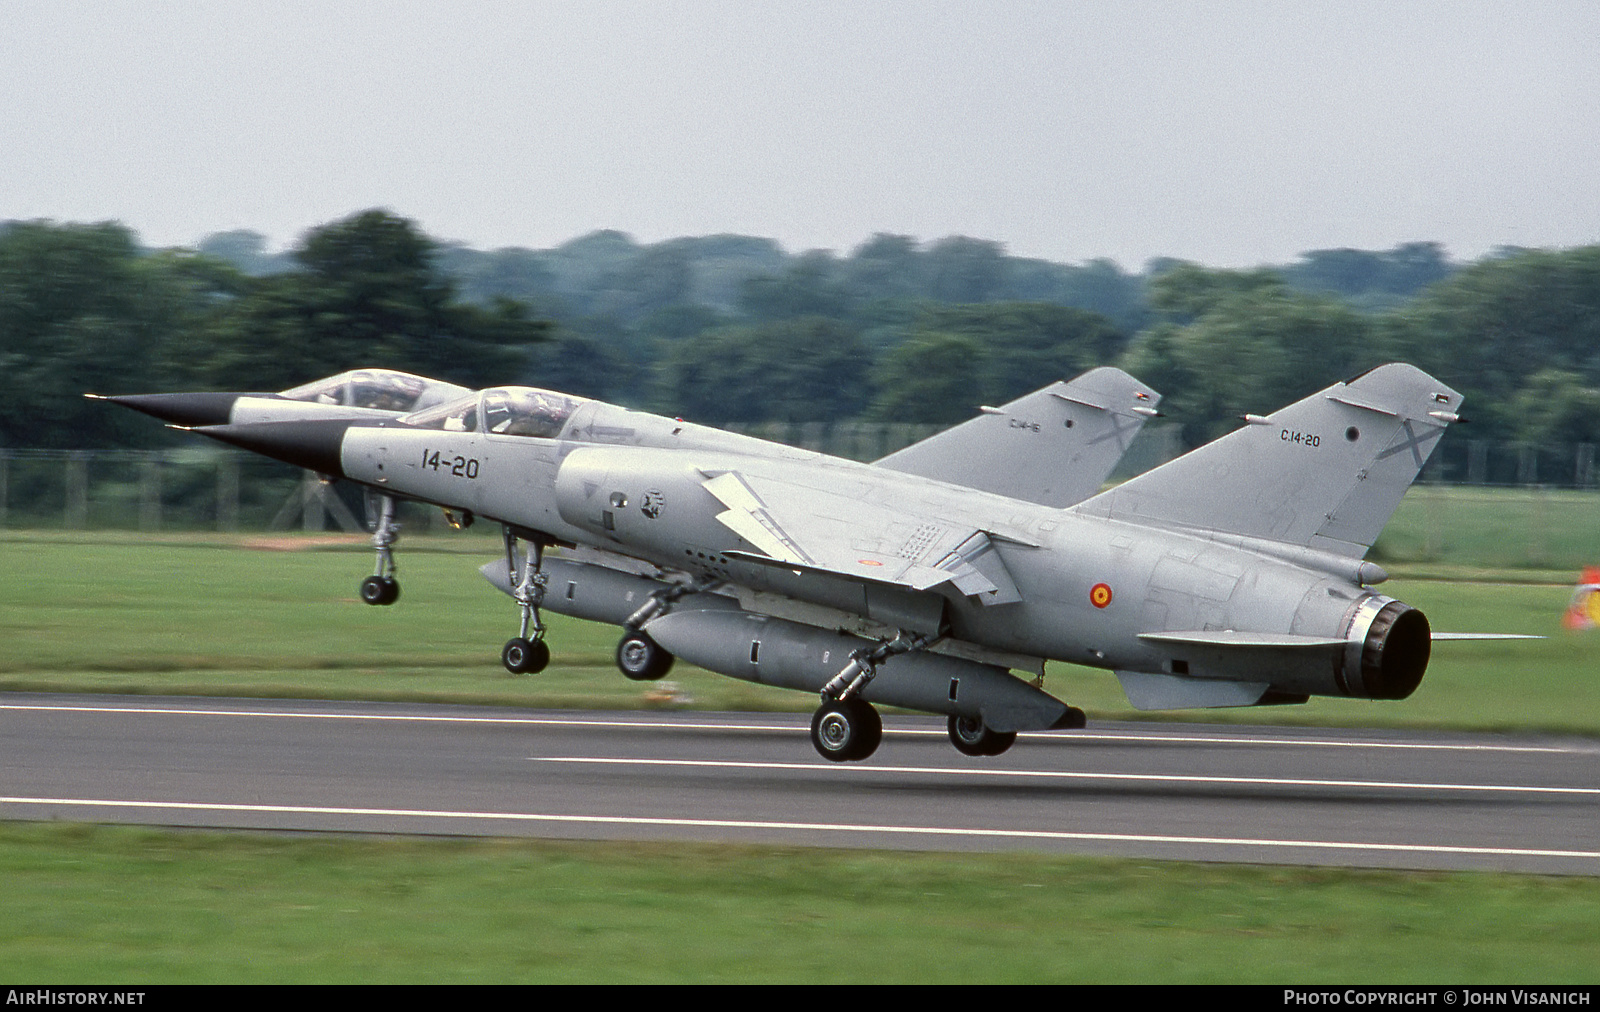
{"x": 417, "y": 718}
{"x": 820, "y": 827}
{"x": 1191, "y": 739}
{"x": 959, "y": 771}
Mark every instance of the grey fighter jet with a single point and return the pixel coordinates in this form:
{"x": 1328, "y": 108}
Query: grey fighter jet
{"x": 354, "y": 394}
{"x": 1105, "y": 406}
{"x": 1232, "y": 576}
{"x": 357, "y": 393}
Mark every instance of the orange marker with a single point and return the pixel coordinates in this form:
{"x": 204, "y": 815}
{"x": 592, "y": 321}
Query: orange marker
{"x": 1584, "y": 611}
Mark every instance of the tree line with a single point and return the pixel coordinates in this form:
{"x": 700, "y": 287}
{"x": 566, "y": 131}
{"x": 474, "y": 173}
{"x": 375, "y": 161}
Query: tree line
{"x": 734, "y": 329}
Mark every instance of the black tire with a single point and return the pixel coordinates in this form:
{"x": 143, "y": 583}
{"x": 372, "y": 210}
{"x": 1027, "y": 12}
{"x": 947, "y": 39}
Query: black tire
{"x": 846, "y": 730}
{"x": 972, "y": 737}
{"x": 640, "y": 658}
{"x": 871, "y": 729}
{"x": 525, "y": 657}
{"x": 541, "y": 657}
{"x": 380, "y": 590}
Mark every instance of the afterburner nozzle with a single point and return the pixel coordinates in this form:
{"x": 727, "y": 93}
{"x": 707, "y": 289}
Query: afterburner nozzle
{"x": 182, "y": 409}
{"x": 314, "y": 445}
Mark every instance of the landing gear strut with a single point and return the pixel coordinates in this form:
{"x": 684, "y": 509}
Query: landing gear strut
{"x": 526, "y": 653}
{"x": 845, "y": 727}
{"x": 638, "y": 656}
{"x": 382, "y": 587}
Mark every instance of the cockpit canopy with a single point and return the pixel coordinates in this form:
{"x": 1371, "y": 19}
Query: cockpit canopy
{"x": 507, "y": 411}
{"x": 384, "y": 389}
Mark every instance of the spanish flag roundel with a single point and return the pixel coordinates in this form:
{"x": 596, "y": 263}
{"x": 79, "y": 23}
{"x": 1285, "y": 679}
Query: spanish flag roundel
{"x": 1100, "y": 595}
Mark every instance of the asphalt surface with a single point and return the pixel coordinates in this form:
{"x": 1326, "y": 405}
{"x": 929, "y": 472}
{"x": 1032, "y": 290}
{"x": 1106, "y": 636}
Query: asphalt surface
{"x": 1198, "y": 792}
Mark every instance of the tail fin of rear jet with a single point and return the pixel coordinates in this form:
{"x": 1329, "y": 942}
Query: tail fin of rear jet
{"x": 1055, "y": 446}
{"x": 1326, "y": 472}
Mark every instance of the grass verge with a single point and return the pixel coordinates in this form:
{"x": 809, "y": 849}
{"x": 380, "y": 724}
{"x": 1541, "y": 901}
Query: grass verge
{"x": 92, "y": 904}
{"x": 209, "y": 615}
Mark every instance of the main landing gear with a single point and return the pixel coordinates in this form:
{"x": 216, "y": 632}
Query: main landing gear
{"x": 972, "y": 737}
{"x": 524, "y": 654}
{"x": 382, "y": 587}
{"x": 639, "y": 657}
{"x": 846, "y": 728}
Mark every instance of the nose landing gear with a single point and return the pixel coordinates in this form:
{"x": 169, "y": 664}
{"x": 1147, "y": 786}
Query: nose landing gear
{"x": 524, "y": 654}
{"x": 382, "y": 587}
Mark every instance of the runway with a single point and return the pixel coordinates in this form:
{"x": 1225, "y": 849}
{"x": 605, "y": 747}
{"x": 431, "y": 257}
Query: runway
{"x": 1195, "y": 792}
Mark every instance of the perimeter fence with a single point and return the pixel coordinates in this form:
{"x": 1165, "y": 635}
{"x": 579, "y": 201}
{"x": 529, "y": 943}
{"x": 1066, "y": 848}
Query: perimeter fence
{"x": 1478, "y": 502}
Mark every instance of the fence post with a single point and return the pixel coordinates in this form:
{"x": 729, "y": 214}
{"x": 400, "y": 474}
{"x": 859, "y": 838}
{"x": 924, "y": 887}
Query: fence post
{"x": 312, "y": 515}
{"x": 1528, "y": 466}
{"x": 813, "y": 435}
{"x": 1477, "y": 462}
{"x": 76, "y": 513}
{"x": 227, "y": 493}
{"x": 1433, "y": 540}
{"x": 5, "y": 488}
{"x": 1537, "y": 520}
{"x": 150, "y": 492}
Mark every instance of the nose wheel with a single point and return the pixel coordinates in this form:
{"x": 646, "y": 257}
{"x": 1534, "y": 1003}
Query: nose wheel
{"x": 380, "y": 590}
{"x": 523, "y": 656}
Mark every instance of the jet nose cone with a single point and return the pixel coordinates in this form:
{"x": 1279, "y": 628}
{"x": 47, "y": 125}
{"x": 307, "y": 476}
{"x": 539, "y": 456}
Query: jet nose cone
{"x": 179, "y": 409}
{"x": 314, "y": 445}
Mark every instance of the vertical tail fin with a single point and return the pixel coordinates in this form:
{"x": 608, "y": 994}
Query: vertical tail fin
{"x": 1326, "y": 472}
{"x": 1055, "y": 446}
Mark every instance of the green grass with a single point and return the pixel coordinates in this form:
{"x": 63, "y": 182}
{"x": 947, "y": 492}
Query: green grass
{"x": 201, "y": 615}
{"x": 1494, "y": 528}
{"x": 88, "y": 905}
{"x": 204, "y": 616}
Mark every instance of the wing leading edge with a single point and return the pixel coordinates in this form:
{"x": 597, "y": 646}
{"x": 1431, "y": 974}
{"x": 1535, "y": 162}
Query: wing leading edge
{"x": 809, "y": 528}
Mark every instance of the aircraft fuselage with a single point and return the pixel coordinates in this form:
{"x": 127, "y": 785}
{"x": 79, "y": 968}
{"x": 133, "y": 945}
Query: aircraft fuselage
{"x": 1093, "y": 590}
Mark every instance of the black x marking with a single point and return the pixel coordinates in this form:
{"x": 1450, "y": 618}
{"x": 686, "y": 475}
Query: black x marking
{"x": 1117, "y": 429}
{"x": 1414, "y": 444}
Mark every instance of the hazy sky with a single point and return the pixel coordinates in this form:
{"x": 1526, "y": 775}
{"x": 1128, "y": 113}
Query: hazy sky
{"x": 1229, "y": 133}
